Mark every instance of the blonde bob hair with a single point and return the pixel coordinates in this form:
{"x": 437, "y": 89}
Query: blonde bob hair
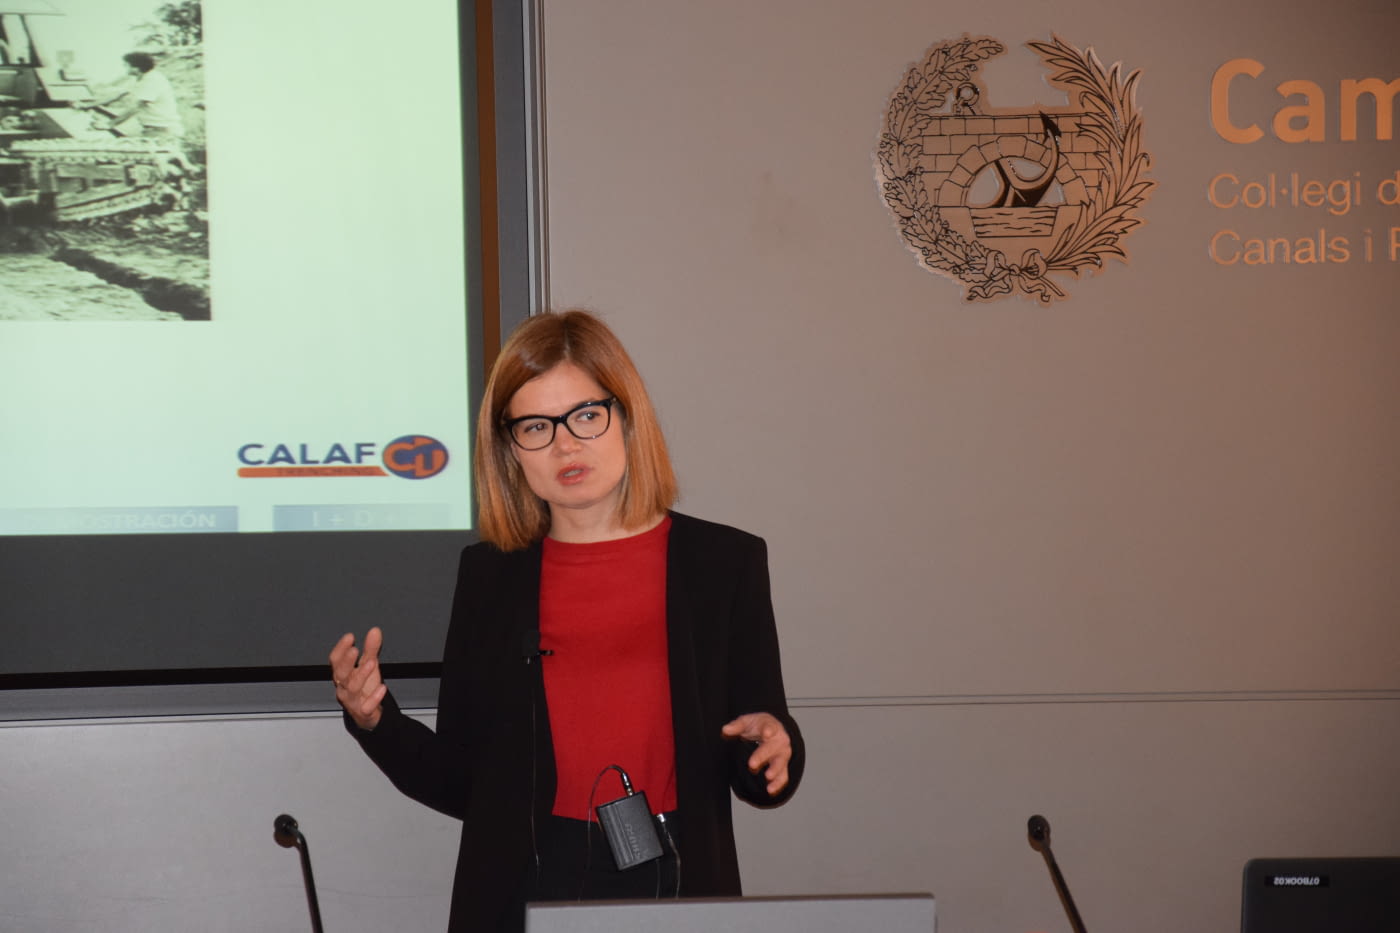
{"x": 510, "y": 515}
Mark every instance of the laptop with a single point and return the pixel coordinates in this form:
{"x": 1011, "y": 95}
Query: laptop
{"x": 1321, "y": 895}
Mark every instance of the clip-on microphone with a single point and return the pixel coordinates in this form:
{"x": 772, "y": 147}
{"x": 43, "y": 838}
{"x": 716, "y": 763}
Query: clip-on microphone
{"x": 530, "y": 646}
{"x": 288, "y": 836}
{"x": 1038, "y": 827}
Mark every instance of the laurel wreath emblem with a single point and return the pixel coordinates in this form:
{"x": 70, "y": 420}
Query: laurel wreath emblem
{"x": 1110, "y": 117}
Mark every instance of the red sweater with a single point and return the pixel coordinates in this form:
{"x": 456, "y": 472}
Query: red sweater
{"x": 603, "y": 614}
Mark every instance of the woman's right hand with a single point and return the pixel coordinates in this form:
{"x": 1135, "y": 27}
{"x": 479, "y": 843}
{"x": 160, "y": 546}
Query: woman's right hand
{"x": 358, "y": 687}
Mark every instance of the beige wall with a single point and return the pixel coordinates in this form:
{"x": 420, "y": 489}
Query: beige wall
{"x": 1127, "y": 561}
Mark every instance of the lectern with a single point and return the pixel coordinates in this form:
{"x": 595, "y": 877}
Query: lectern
{"x": 888, "y": 913}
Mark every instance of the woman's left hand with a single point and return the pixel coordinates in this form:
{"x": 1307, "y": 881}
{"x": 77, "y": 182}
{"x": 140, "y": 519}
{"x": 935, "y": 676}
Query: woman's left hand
{"x": 774, "y": 746}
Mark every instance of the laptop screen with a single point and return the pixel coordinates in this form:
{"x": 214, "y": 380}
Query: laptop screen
{"x": 1321, "y": 895}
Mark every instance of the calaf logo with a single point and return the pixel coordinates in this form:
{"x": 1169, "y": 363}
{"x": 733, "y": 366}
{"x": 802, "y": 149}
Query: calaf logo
{"x": 413, "y": 456}
{"x": 1006, "y": 200}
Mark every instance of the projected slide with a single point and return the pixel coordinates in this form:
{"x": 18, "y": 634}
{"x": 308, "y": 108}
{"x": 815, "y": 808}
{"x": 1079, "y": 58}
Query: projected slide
{"x": 232, "y": 286}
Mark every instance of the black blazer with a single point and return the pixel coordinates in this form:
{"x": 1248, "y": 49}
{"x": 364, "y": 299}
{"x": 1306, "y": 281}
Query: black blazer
{"x": 491, "y": 761}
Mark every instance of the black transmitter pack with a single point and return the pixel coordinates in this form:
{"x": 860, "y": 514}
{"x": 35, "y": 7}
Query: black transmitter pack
{"x": 630, "y": 829}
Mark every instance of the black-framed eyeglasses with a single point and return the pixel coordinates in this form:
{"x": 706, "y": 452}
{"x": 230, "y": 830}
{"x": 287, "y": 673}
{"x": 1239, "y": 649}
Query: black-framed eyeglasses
{"x": 585, "y": 421}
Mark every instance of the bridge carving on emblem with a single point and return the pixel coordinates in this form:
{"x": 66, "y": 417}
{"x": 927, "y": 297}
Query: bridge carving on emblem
{"x": 962, "y": 154}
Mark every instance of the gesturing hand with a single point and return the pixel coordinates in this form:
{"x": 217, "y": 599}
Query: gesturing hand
{"x": 358, "y": 687}
{"x": 774, "y": 746}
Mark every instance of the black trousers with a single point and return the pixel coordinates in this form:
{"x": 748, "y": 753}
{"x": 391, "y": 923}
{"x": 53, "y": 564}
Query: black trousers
{"x": 575, "y": 864}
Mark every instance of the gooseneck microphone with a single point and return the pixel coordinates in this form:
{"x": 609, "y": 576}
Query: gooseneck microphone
{"x": 288, "y": 836}
{"x": 1038, "y": 827}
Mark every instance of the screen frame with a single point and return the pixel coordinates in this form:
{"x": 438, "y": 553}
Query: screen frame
{"x": 503, "y": 183}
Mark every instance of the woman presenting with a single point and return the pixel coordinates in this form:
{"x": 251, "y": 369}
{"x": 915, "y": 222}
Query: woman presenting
{"x": 594, "y": 633}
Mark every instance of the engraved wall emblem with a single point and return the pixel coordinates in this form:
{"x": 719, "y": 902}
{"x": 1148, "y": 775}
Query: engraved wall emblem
{"x": 1007, "y": 201}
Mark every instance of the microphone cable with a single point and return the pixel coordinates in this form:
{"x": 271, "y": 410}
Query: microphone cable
{"x": 675, "y": 851}
{"x": 592, "y": 818}
{"x": 531, "y": 650}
